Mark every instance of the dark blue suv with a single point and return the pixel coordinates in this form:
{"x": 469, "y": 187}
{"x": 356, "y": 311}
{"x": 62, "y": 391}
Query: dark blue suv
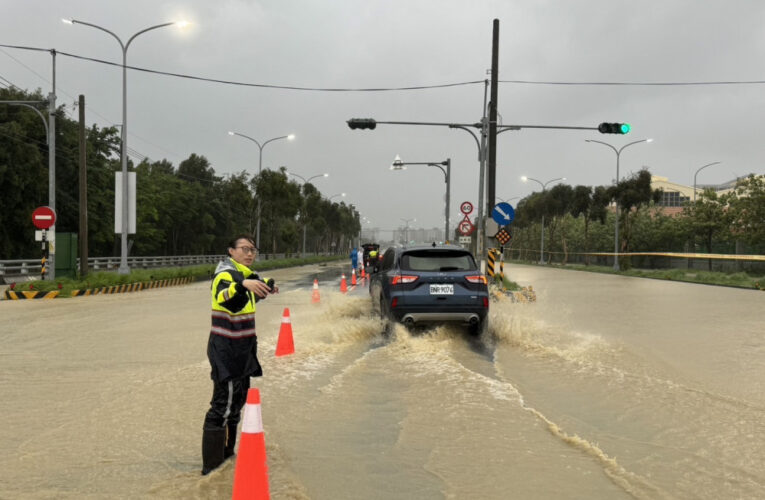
{"x": 430, "y": 284}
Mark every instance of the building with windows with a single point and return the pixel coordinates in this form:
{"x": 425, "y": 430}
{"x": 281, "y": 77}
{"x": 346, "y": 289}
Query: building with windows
{"x": 677, "y": 195}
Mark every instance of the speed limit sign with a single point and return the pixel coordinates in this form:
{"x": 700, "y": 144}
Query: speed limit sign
{"x": 466, "y": 207}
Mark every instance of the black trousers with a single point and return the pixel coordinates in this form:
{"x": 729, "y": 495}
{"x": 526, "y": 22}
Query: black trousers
{"x": 226, "y": 405}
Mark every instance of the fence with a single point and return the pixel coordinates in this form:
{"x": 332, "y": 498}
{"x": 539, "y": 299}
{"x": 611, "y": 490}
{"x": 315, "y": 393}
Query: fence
{"x": 32, "y": 267}
{"x": 727, "y": 263}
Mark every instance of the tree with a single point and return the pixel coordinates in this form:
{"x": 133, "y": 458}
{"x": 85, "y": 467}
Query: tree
{"x": 747, "y": 210}
{"x": 707, "y": 219}
{"x": 631, "y": 194}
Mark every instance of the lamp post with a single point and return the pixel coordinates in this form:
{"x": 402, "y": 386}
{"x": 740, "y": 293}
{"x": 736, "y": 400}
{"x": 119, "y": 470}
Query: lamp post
{"x": 697, "y": 173}
{"x": 305, "y": 222}
{"x": 336, "y": 195}
{"x": 544, "y": 188}
{"x": 406, "y": 234}
{"x": 124, "y": 268}
{"x": 401, "y": 165}
{"x": 260, "y": 167}
{"x": 616, "y": 202}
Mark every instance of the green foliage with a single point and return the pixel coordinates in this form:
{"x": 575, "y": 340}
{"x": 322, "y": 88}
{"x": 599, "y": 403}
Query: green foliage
{"x": 197, "y": 273}
{"x": 181, "y": 210}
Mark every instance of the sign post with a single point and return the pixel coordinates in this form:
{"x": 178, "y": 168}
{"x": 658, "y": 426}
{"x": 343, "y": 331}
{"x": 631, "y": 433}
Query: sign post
{"x": 44, "y": 218}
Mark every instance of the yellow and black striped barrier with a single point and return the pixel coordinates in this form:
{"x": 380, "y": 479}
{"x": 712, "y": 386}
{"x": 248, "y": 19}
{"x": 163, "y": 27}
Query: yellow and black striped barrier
{"x": 128, "y": 287}
{"x": 132, "y": 287}
{"x": 31, "y": 294}
{"x": 490, "y": 262}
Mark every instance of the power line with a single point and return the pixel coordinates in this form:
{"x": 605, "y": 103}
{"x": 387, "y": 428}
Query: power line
{"x": 642, "y": 84}
{"x": 74, "y": 106}
{"x": 246, "y": 84}
{"x": 388, "y": 89}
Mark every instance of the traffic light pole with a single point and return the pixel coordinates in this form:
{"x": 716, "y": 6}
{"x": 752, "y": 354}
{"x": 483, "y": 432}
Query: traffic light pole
{"x": 483, "y": 125}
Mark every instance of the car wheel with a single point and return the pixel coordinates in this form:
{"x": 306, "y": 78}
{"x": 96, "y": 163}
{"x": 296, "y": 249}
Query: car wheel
{"x": 479, "y": 328}
{"x": 385, "y": 318}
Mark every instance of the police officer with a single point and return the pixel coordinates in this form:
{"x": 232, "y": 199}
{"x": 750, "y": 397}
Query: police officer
{"x": 231, "y": 348}
{"x": 373, "y": 261}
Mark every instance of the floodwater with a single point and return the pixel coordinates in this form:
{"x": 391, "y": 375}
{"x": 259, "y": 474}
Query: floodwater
{"x": 608, "y": 387}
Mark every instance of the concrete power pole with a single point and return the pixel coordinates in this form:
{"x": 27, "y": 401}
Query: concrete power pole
{"x": 83, "y": 193}
{"x": 493, "y": 106}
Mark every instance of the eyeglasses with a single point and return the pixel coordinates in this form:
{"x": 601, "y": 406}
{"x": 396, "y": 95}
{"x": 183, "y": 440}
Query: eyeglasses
{"x": 248, "y": 250}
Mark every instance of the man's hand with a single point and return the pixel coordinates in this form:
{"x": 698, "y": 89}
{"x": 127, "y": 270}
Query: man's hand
{"x": 257, "y": 287}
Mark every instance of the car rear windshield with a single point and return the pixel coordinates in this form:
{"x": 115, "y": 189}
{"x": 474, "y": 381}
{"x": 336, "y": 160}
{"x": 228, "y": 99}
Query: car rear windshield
{"x": 437, "y": 260}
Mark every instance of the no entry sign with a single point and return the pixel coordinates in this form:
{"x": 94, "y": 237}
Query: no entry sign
{"x": 43, "y": 217}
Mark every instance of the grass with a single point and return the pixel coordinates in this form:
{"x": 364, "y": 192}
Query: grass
{"x": 738, "y": 280}
{"x": 109, "y": 278}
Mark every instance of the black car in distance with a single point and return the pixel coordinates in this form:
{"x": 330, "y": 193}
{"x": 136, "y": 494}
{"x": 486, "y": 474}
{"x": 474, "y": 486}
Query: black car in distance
{"x": 430, "y": 284}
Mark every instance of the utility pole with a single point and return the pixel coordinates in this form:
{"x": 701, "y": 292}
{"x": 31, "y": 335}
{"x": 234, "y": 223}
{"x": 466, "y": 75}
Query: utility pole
{"x": 493, "y": 106}
{"x": 83, "y": 192}
{"x": 52, "y": 167}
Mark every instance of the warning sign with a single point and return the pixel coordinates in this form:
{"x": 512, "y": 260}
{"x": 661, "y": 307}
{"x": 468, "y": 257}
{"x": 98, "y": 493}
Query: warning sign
{"x": 503, "y": 236}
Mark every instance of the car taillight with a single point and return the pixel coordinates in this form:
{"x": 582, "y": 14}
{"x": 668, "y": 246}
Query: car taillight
{"x": 394, "y": 302}
{"x": 486, "y": 302}
{"x": 403, "y": 279}
{"x": 477, "y": 279}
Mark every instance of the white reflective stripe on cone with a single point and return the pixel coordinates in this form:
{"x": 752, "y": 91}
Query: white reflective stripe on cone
{"x": 252, "y": 422}
{"x": 286, "y": 319}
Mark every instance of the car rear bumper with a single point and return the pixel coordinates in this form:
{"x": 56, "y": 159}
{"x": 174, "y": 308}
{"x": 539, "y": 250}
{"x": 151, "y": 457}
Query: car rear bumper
{"x": 412, "y": 315}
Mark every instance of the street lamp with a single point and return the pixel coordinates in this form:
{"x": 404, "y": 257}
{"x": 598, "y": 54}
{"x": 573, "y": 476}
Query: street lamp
{"x": 616, "y": 203}
{"x": 401, "y": 165}
{"x": 336, "y": 195}
{"x": 544, "y": 188}
{"x": 406, "y": 234}
{"x": 305, "y": 181}
{"x": 124, "y": 269}
{"x": 260, "y": 166}
{"x": 509, "y": 199}
{"x": 697, "y": 173}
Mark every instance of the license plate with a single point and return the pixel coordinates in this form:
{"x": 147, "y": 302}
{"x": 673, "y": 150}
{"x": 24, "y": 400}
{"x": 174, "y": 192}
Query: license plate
{"x": 442, "y": 289}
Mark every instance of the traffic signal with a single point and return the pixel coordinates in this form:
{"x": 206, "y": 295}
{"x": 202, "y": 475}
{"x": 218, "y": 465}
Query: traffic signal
{"x": 614, "y": 128}
{"x": 369, "y": 123}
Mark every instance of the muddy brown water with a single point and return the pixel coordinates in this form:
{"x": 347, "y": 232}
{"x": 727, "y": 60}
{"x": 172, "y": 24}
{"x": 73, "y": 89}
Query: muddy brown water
{"x": 608, "y": 387}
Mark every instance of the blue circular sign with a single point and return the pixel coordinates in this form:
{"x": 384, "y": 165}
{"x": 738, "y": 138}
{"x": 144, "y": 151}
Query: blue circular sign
{"x": 503, "y": 214}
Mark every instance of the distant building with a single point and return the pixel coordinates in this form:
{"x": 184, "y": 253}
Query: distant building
{"x": 677, "y": 195}
{"x": 418, "y": 235}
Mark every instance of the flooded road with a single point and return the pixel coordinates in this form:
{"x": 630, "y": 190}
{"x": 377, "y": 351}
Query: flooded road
{"x": 608, "y": 387}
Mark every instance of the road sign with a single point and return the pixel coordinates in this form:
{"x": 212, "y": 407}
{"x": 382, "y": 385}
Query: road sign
{"x": 466, "y": 207}
{"x": 466, "y": 227}
{"x": 503, "y": 213}
{"x": 43, "y": 217}
{"x": 502, "y": 236}
{"x": 465, "y": 240}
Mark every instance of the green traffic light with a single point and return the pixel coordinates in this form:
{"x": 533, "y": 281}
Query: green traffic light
{"x": 624, "y": 128}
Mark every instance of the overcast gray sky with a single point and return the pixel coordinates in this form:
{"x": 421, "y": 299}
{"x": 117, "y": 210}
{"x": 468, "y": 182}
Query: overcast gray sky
{"x": 401, "y": 43}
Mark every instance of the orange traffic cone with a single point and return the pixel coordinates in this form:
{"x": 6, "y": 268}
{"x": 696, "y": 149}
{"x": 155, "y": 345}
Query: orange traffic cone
{"x": 363, "y": 275}
{"x": 343, "y": 285}
{"x": 251, "y": 472}
{"x": 285, "y": 345}
{"x": 353, "y": 277}
{"x": 315, "y": 296}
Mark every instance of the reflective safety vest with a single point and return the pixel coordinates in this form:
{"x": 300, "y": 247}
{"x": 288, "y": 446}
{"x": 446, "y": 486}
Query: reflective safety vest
{"x": 232, "y": 346}
{"x": 233, "y": 306}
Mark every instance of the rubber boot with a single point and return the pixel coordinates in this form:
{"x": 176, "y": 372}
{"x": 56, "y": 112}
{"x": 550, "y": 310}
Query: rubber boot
{"x": 228, "y": 451}
{"x": 213, "y": 443}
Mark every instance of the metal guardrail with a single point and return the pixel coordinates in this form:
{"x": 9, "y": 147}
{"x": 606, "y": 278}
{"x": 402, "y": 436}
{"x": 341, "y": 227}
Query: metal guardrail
{"x": 31, "y": 268}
